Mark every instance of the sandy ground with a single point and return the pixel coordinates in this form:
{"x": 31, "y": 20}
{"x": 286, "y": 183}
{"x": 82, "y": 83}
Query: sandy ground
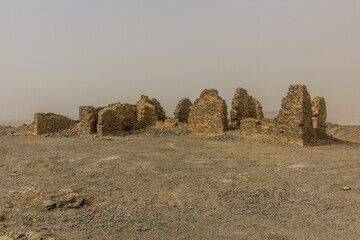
{"x": 141, "y": 187}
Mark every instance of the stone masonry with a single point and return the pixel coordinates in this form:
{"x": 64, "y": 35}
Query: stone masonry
{"x": 244, "y": 106}
{"x": 295, "y": 116}
{"x": 182, "y": 110}
{"x": 88, "y": 116}
{"x": 208, "y": 114}
{"x": 319, "y": 116}
{"x": 149, "y": 111}
{"x": 117, "y": 119}
{"x": 45, "y": 123}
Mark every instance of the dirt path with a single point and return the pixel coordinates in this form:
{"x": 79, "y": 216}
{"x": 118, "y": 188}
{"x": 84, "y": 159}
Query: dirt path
{"x": 140, "y": 187}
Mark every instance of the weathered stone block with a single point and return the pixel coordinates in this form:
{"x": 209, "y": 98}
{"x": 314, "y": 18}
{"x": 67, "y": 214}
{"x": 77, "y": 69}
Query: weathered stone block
{"x": 208, "y": 114}
{"x": 295, "y": 116}
{"x": 49, "y": 123}
{"x": 182, "y": 110}
{"x": 319, "y": 116}
{"x": 117, "y": 119}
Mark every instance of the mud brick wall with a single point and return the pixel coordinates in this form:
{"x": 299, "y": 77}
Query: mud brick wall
{"x": 295, "y": 116}
{"x": 182, "y": 110}
{"x": 117, "y": 120}
{"x": 208, "y": 114}
{"x": 88, "y": 116}
{"x": 319, "y": 116}
{"x": 244, "y": 106}
{"x": 49, "y": 123}
{"x": 149, "y": 111}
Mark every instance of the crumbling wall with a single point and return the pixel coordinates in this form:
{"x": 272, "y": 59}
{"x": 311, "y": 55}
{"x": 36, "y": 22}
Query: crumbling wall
{"x": 295, "y": 116}
{"x": 319, "y": 116}
{"x": 45, "y": 123}
{"x": 244, "y": 106}
{"x": 149, "y": 111}
{"x": 208, "y": 114}
{"x": 88, "y": 116}
{"x": 117, "y": 119}
{"x": 182, "y": 110}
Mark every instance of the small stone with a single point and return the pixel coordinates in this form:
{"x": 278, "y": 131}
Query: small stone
{"x": 2, "y": 218}
{"x": 346, "y": 188}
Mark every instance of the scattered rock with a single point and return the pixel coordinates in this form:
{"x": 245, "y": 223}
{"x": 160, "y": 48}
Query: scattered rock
{"x": 65, "y": 199}
{"x": 346, "y": 188}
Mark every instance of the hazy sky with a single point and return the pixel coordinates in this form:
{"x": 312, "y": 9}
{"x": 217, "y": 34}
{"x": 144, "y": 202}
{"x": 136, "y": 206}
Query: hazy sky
{"x": 56, "y": 55}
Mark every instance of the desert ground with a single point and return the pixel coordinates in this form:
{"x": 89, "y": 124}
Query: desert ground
{"x": 148, "y": 186}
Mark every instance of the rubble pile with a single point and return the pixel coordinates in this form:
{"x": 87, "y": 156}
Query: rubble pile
{"x": 208, "y": 114}
{"x": 182, "y": 110}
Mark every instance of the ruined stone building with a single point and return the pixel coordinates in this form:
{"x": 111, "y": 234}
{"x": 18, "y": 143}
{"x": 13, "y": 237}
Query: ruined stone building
{"x": 88, "y": 116}
{"x": 319, "y": 116}
{"x": 45, "y": 123}
{"x": 295, "y": 116}
{"x": 208, "y": 114}
{"x": 182, "y": 110}
{"x": 117, "y": 119}
{"x": 244, "y": 106}
{"x": 300, "y": 120}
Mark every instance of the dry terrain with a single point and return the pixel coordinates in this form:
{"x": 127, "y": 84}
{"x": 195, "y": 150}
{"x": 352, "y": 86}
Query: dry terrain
{"x": 176, "y": 187}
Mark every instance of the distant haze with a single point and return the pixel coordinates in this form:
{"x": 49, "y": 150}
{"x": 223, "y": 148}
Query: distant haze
{"x": 57, "y": 55}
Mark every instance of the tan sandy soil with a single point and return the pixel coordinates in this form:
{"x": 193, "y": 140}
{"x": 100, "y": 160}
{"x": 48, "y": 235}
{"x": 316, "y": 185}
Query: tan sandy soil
{"x": 185, "y": 187}
{"x": 346, "y": 133}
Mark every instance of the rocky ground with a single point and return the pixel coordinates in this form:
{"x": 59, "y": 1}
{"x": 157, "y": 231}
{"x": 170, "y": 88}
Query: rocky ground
{"x": 162, "y": 185}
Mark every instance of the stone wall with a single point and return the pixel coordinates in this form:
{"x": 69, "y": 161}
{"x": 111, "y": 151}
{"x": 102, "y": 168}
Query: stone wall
{"x": 208, "y": 114}
{"x": 149, "y": 111}
{"x": 182, "y": 110}
{"x": 117, "y": 119}
{"x": 45, "y": 123}
{"x": 244, "y": 106}
{"x": 295, "y": 116}
{"x": 319, "y": 116}
{"x": 88, "y": 116}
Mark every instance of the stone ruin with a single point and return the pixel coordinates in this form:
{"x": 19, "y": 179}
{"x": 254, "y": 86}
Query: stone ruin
{"x": 117, "y": 119}
{"x": 45, "y": 123}
{"x": 182, "y": 110}
{"x": 149, "y": 111}
{"x": 208, "y": 114}
{"x": 295, "y": 116}
{"x": 299, "y": 121}
{"x": 88, "y": 116}
{"x": 319, "y": 116}
{"x": 244, "y": 106}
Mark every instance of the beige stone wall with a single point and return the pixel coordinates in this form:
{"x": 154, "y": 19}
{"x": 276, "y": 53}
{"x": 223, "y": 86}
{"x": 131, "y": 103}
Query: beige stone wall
{"x": 117, "y": 120}
{"x": 149, "y": 111}
{"x": 295, "y": 116}
{"x": 319, "y": 116}
{"x": 208, "y": 114}
{"x": 244, "y": 106}
{"x": 182, "y": 110}
{"x": 45, "y": 123}
{"x": 88, "y": 116}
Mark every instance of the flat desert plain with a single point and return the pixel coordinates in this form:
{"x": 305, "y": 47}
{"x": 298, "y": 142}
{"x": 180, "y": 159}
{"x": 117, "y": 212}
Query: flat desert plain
{"x": 177, "y": 187}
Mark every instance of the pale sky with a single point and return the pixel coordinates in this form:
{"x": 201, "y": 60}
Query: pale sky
{"x": 56, "y": 55}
